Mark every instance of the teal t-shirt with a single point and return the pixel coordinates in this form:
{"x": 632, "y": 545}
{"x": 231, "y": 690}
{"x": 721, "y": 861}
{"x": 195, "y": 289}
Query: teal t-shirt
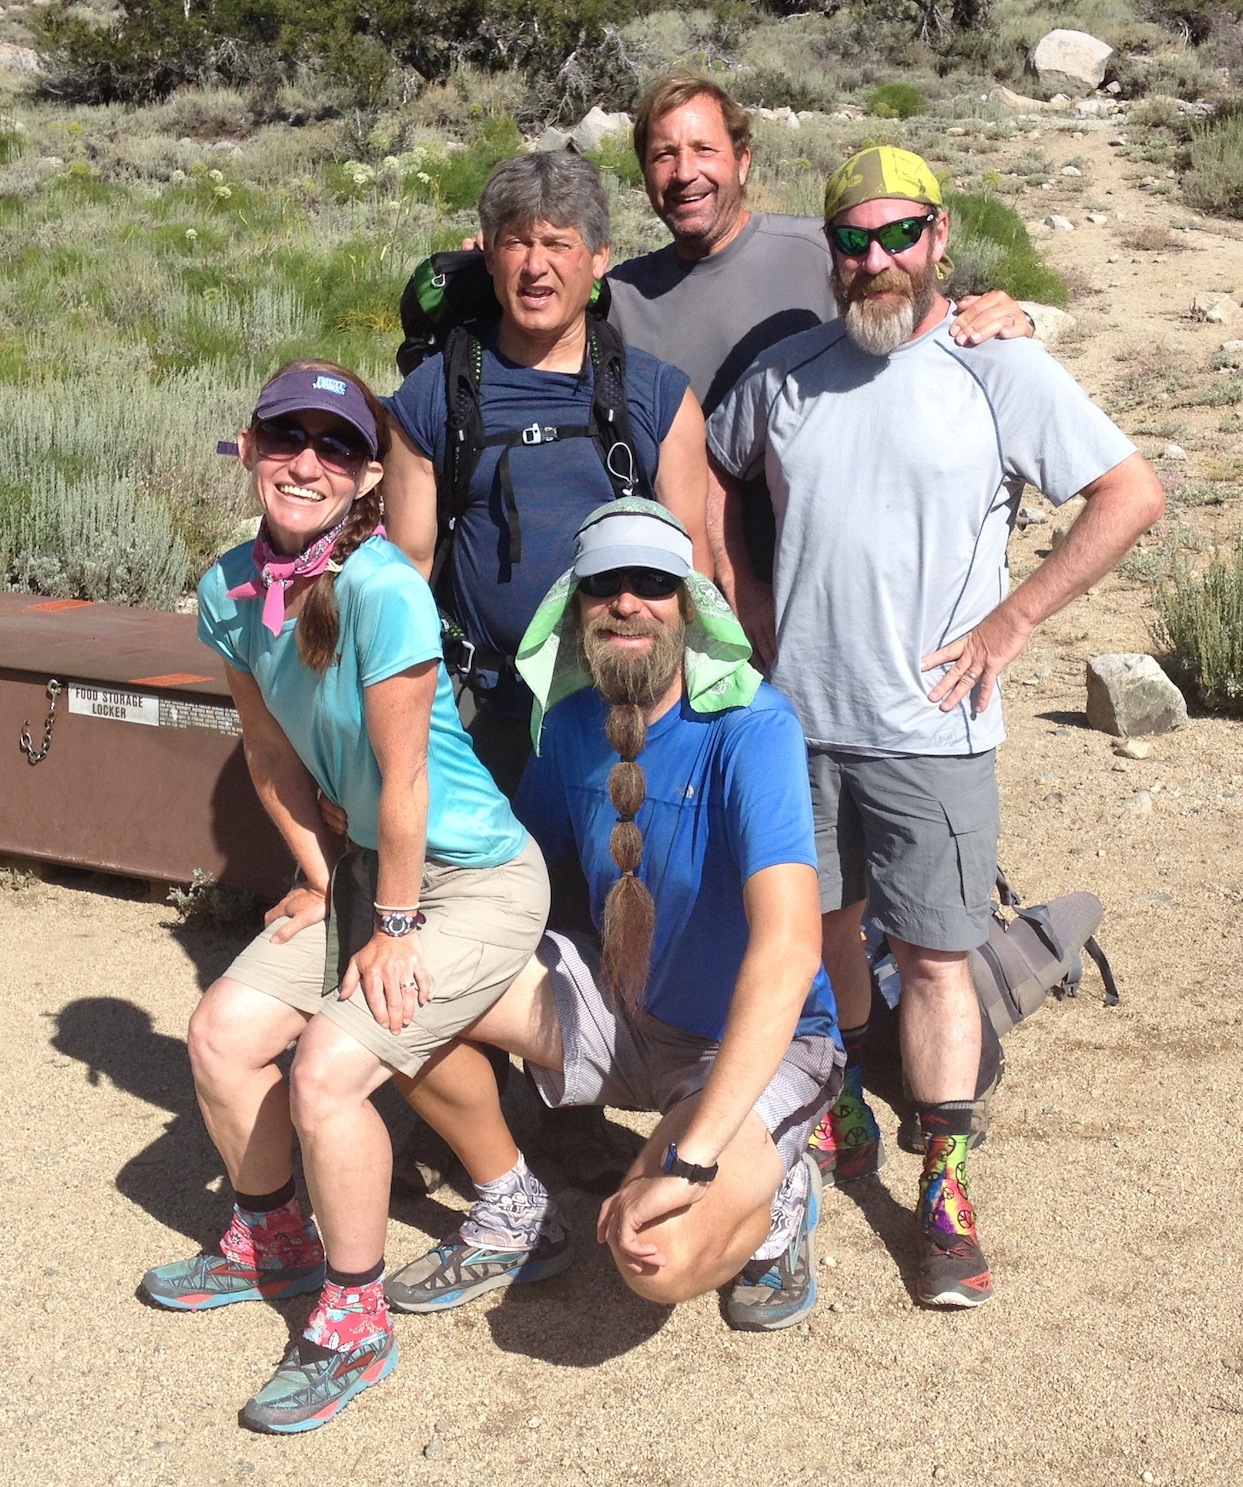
{"x": 388, "y": 623}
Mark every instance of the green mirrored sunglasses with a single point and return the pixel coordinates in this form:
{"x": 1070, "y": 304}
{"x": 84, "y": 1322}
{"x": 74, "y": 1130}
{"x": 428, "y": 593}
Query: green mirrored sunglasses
{"x": 894, "y": 237}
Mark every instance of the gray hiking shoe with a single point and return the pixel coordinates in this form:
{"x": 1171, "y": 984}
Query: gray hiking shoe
{"x": 770, "y": 1294}
{"x": 456, "y": 1272}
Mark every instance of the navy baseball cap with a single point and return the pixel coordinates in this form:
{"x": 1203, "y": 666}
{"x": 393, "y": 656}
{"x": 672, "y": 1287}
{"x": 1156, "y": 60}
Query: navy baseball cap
{"x": 311, "y": 387}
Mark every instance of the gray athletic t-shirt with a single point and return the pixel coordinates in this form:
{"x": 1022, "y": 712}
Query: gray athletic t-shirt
{"x": 713, "y": 317}
{"x": 895, "y": 481}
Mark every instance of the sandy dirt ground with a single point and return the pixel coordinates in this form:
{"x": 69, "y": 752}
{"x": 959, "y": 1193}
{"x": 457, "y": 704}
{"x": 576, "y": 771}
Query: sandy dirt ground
{"x": 1107, "y": 1191}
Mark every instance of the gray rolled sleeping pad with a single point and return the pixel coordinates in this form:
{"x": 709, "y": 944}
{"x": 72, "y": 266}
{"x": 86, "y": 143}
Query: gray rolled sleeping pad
{"x": 1036, "y": 954}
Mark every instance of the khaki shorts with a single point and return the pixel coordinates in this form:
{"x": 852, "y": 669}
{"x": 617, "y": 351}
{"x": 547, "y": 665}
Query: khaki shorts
{"x": 483, "y": 925}
{"x": 635, "y": 1062}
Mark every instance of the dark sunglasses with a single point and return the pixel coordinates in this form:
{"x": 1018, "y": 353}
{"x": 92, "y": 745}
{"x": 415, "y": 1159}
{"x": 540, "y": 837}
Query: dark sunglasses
{"x": 894, "y": 237}
{"x": 285, "y": 441}
{"x": 643, "y": 583}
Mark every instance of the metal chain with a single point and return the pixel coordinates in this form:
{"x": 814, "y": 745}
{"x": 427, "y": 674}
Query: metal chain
{"x": 54, "y": 689}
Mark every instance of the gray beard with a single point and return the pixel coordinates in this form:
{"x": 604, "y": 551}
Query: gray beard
{"x": 879, "y": 329}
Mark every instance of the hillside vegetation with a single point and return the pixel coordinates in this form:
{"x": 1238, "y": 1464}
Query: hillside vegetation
{"x": 191, "y": 195}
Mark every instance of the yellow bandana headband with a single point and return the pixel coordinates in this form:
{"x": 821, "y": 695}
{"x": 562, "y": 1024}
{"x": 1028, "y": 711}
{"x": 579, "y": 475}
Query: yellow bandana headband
{"x": 879, "y": 172}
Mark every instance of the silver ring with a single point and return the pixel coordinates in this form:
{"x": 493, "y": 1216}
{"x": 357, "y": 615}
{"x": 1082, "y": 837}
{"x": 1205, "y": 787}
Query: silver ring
{"x": 973, "y": 676}
{"x": 404, "y": 985}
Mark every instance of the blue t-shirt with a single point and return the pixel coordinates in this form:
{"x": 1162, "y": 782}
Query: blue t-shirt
{"x": 388, "y": 623}
{"x": 556, "y": 485}
{"x": 727, "y": 796}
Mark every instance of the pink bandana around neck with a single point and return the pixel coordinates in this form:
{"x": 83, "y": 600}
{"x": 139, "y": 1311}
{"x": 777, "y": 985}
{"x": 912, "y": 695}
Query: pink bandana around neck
{"x": 277, "y": 572}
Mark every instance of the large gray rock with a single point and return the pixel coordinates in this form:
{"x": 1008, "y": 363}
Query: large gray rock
{"x": 551, "y": 139}
{"x": 1071, "y": 60}
{"x": 594, "y": 128}
{"x": 18, "y": 58}
{"x": 1051, "y": 323}
{"x": 1130, "y": 694}
{"x": 1216, "y": 308}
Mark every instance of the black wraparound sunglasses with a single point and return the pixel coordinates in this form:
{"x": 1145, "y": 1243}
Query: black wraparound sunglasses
{"x": 643, "y": 583}
{"x": 894, "y": 237}
{"x": 285, "y": 441}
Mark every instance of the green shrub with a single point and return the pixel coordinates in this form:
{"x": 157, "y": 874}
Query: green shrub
{"x": 896, "y": 101}
{"x": 457, "y": 181}
{"x": 1200, "y": 622}
{"x": 616, "y": 157}
{"x": 991, "y": 249}
{"x": 1214, "y": 182}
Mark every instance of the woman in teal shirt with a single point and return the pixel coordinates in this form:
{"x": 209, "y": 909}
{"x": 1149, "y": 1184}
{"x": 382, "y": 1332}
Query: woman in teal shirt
{"x": 391, "y": 942}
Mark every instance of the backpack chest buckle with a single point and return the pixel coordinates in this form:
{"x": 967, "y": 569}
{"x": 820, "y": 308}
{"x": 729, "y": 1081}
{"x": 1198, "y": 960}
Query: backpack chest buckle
{"x": 539, "y": 434}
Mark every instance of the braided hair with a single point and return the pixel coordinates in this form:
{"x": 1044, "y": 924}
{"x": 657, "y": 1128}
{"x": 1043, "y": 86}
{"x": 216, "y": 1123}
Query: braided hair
{"x": 320, "y": 620}
{"x": 629, "y": 919}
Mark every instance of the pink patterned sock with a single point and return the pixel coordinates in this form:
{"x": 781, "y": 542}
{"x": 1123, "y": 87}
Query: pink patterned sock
{"x": 281, "y": 1239}
{"x": 346, "y": 1316}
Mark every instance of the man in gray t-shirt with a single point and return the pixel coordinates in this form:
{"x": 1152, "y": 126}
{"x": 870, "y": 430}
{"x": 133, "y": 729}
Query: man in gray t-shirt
{"x": 732, "y": 282}
{"x": 895, "y": 463}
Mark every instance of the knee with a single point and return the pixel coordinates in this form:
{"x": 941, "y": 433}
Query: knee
{"x": 839, "y": 930}
{"x": 933, "y": 973}
{"x": 313, "y": 1094}
{"x": 216, "y": 1038}
{"x": 677, "y": 1280}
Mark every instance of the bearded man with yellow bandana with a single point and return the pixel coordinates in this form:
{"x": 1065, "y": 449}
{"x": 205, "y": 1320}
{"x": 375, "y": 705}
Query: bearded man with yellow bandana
{"x": 896, "y": 463}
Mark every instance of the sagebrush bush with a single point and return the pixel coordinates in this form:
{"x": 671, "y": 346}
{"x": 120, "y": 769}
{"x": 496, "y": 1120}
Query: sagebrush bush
{"x": 1200, "y": 622}
{"x": 93, "y": 538}
{"x": 1214, "y": 182}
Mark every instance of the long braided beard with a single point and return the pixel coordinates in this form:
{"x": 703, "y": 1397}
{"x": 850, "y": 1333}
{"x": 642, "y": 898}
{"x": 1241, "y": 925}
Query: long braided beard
{"x": 630, "y": 681}
{"x": 629, "y": 923}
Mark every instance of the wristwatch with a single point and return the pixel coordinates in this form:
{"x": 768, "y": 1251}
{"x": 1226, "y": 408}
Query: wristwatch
{"x": 398, "y": 922}
{"x": 673, "y": 1164}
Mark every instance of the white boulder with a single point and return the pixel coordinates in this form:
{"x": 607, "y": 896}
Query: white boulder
{"x": 595, "y": 127}
{"x": 1071, "y": 60}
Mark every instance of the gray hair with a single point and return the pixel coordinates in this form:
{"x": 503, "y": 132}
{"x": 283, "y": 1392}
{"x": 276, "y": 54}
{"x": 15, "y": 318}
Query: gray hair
{"x": 557, "y": 187}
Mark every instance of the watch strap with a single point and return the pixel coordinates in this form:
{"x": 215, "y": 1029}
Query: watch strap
{"x": 673, "y": 1165}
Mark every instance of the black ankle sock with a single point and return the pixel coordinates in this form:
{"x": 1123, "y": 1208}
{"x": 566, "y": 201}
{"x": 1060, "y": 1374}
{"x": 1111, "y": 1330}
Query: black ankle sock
{"x": 265, "y": 1202}
{"x": 949, "y": 1118}
{"x": 854, "y": 1040}
{"x": 350, "y": 1280}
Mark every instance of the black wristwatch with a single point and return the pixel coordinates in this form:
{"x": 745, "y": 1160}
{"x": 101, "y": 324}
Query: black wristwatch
{"x": 673, "y": 1164}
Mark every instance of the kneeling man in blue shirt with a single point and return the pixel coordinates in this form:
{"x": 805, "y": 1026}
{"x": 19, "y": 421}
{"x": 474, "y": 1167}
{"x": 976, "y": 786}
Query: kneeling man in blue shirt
{"x": 680, "y": 779}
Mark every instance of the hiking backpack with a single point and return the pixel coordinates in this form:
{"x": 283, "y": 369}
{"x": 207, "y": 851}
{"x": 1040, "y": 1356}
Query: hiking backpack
{"x": 1036, "y": 954}
{"x": 448, "y": 302}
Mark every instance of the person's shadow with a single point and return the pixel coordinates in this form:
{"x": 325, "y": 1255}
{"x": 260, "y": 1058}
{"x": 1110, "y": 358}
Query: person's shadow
{"x": 172, "y": 1178}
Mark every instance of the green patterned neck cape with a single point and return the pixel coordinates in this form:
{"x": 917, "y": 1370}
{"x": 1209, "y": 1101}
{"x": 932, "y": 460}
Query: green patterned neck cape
{"x": 717, "y": 669}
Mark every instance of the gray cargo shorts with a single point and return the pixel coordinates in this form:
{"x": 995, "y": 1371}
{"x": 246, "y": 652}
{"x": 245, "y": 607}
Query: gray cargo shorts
{"x": 635, "y": 1062}
{"x": 916, "y": 836}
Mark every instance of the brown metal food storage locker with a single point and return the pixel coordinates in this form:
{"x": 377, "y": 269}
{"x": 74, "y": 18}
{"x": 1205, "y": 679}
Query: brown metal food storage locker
{"x": 143, "y": 771}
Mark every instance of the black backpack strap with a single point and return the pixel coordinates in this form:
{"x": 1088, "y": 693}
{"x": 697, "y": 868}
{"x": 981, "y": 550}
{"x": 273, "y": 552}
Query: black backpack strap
{"x": 1005, "y": 893}
{"x": 609, "y": 429}
{"x": 610, "y": 413}
{"x": 463, "y": 366}
{"x": 1092, "y": 947}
